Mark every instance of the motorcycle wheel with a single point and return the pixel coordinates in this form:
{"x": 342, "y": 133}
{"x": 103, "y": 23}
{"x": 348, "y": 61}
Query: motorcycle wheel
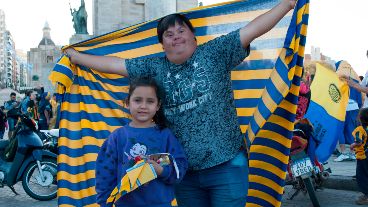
{"x": 312, "y": 193}
{"x": 33, "y": 184}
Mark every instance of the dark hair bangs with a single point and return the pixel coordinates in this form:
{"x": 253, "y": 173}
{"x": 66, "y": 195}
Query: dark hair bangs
{"x": 169, "y": 21}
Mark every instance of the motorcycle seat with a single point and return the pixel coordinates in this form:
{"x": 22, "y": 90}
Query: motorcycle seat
{"x": 3, "y": 144}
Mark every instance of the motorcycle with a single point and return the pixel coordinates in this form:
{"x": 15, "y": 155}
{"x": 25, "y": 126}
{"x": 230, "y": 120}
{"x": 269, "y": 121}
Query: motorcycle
{"x": 304, "y": 174}
{"x": 24, "y": 159}
{"x": 50, "y": 139}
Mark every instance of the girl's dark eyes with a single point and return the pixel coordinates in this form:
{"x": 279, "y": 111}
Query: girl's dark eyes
{"x": 140, "y": 100}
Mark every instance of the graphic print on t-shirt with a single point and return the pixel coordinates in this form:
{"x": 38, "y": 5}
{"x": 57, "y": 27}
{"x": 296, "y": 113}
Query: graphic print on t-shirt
{"x": 136, "y": 150}
{"x": 186, "y": 91}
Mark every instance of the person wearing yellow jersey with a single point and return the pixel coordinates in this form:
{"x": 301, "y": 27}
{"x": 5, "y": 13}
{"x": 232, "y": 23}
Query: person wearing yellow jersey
{"x": 360, "y": 147}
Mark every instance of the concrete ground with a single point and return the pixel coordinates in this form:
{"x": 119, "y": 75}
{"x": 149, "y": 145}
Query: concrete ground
{"x": 340, "y": 184}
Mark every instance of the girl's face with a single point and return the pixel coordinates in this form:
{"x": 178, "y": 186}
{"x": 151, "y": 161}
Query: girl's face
{"x": 143, "y": 105}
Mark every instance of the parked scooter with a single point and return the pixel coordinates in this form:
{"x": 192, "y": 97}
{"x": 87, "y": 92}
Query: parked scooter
{"x": 50, "y": 139}
{"x": 24, "y": 159}
{"x": 304, "y": 174}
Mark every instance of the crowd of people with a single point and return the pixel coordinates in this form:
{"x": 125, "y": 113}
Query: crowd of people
{"x": 36, "y": 104}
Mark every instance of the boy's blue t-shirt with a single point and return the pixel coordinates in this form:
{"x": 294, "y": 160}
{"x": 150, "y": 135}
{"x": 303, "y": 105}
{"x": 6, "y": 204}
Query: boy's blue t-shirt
{"x": 198, "y": 99}
{"x": 117, "y": 155}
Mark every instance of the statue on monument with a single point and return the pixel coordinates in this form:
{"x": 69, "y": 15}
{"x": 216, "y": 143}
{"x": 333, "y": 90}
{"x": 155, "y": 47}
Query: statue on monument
{"x": 79, "y": 19}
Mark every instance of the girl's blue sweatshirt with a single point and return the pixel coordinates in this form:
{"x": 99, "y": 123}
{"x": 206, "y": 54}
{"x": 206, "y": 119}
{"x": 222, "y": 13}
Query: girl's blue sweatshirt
{"x": 117, "y": 154}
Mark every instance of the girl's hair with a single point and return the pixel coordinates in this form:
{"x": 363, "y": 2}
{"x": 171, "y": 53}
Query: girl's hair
{"x": 159, "y": 117}
{"x": 363, "y": 117}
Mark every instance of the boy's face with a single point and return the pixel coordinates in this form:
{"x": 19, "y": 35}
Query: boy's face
{"x": 143, "y": 105}
{"x": 178, "y": 39}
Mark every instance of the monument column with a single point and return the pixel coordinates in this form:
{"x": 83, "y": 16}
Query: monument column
{"x": 165, "y": 7}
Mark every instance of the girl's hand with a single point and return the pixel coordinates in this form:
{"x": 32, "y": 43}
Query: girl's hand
{"x": 158, "y": 168}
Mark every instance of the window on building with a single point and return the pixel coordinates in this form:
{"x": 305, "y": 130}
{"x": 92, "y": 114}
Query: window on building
{"x": 49, "y": 59}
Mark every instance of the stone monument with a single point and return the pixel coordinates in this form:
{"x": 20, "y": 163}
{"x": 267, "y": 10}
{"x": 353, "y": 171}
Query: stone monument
{"x": 110, "y": 15}
{"x": 79, "y": 18}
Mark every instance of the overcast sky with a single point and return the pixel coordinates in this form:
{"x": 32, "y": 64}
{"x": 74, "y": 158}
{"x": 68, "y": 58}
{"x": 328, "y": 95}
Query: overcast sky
{"x": 338, "y": 27}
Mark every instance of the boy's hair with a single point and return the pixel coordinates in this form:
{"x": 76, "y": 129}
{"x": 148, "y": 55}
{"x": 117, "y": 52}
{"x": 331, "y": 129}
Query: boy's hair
{"x": 169, "y": 21}
{"x": 159, "y": 117}
{"x": 13, "y": 94}
{"x": 363, "y": 117}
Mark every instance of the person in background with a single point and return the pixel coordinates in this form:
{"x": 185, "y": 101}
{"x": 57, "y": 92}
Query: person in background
{"x": 360, "y": 147}
{"x": 2, "y": 122}
{"x": 304, "y": 95}
{"x": 44, "y": 110}
{"x": 363, "y": 84}
{"x": 25, "y": 102}
{"x": 32, "y": 106}
{"x": 12, "y": 113}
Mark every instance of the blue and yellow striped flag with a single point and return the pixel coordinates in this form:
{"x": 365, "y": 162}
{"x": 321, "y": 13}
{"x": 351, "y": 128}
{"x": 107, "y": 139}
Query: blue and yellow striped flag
{"x": 265, "y": 85}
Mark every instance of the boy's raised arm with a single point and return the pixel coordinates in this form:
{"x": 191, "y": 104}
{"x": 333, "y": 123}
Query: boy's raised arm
{"x": 265, "y": 22}
{"x": 103, "y": 64}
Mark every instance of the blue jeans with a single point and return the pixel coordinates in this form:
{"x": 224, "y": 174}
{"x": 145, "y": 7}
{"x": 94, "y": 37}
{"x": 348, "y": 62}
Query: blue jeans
{"x": 222, "y": 185}
{"x": 12, "y": 122}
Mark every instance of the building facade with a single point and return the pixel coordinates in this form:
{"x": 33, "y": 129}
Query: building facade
{"x": 10, "y": 61}
{"x": 316, "y": 55}
{"x": 113, "y": 15}
{"x": 42, "y": 60}
{"x": 23, "y": 69}
{"x": 2, "y": 50}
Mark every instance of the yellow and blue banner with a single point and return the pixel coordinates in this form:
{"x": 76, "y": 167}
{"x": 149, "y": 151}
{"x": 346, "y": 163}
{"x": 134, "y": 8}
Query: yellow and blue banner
{"x": 265, "y": 85}
{"x": 136, "y": 176}
{"x": 327, "y": 110}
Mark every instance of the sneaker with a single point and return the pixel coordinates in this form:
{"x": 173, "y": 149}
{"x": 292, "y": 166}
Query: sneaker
{"x": 341, "y": 158}
{"x": 352, "y": 156}
{"x": 336, "y": 152}
{"x": 362, "y": 200}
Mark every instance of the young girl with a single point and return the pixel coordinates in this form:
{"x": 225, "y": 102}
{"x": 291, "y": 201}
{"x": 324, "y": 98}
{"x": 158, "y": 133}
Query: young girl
{"x": 144, "y": 135}
{"x": 360, "y": 147}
